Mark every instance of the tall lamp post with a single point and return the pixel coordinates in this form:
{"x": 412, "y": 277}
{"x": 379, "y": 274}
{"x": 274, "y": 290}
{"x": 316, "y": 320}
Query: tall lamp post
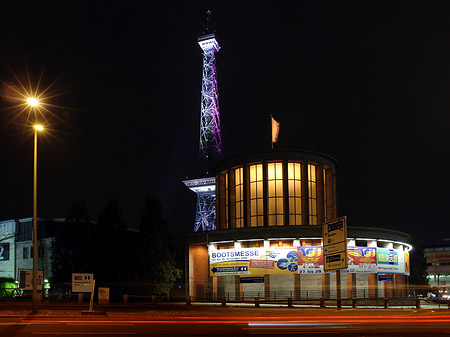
{"x": 33, "y": 103}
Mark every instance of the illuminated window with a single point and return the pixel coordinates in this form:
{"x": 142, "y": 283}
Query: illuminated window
{"x": 239, "y": 196}
{"x": 275, "y": 194}
{"x": 223, "y": 200}
{"x": 312, "y": 198}
{"x": 252, "y": 244}
{"x": 325, "y": 196}
{"x": 226, "y": 200}
{"x": 281, "y": 243}
{"x": 295, "y": 193}
{"x": 225, "y": 245}
{"x": 256, "y": 196}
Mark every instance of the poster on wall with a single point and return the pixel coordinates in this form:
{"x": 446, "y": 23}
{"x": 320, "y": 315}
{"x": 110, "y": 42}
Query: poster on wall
{"x": 390, "y": 261}
{"x": 407, "y": 265}
{"x": 310, "y": 259}
{"x": 361, "y": 260}
{"x": 253, "y": 261}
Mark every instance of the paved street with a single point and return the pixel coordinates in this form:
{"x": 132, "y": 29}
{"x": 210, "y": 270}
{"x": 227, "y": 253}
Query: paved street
{"x": 211, "y": 319}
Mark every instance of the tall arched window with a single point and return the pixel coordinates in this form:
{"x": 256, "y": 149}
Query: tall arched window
{"x": 256, "y": 196}
{"x": 295, "y": 193}
{"x": 275, "y": 194}
{"x": 312, "y": 197}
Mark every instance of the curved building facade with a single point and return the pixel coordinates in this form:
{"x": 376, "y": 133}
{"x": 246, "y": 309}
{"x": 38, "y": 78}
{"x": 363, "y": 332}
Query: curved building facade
{"x": 269, "y": 210}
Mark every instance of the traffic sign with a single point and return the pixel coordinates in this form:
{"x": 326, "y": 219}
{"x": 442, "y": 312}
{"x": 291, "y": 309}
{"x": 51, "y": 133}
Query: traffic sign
{"x": 335, "y": 231}
{"x": 335, "y": 248}
{"x": 82, "y": 283}
{"x": 336, "y": 261}
{"x": 335, "y": 244}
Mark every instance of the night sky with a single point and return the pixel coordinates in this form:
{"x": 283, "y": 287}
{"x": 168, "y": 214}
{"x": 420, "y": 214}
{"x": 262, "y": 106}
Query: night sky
{"x": 366, "y": 83}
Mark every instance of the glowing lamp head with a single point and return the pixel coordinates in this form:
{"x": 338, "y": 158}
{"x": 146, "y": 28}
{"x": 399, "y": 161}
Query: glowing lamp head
{"x": 32, "y": 101}
{"x": 39, "y": 127}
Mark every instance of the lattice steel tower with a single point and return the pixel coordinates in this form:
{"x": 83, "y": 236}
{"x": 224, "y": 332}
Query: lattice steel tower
{"x": 210, "y": 141}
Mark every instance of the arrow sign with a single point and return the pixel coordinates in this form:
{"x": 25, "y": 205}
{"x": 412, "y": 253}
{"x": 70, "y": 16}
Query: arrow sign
{"x": 229, "y": 270}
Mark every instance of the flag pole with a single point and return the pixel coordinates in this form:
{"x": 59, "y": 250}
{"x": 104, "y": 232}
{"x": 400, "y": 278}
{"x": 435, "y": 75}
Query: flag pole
{"x": 271, "y": 131}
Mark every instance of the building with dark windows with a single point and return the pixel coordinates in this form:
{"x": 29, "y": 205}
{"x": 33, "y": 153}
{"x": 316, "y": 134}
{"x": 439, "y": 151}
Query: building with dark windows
{"x": 270, "y": 206}
{"x": 16, "y": 246}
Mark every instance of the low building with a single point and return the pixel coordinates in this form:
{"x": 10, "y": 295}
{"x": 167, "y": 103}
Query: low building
{"x": 268, "y": 243}
{"x": 16, "y": 246}
{"x": 438, "y": 266}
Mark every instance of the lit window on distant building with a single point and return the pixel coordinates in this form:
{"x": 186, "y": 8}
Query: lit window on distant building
{"x": 295, "y": 193}
{"x": 256, "y": 196}
{"x": 312, "y": 197}
{"x": 275, "y": 194}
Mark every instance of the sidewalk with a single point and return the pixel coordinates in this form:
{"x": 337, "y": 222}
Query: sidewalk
{"x": 144, "y": 311}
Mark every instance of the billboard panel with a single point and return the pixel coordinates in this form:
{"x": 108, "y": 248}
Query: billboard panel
{"x": 310, "y": 259}
{"x": 390, "y": 261}
{"x": 253, "y": 261}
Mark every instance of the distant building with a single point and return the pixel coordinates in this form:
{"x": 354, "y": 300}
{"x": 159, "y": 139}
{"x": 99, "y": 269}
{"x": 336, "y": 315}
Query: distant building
{"x": 268, "y": 242}
{"x": 438, "y": 265}
{"x": 16, "y": 246}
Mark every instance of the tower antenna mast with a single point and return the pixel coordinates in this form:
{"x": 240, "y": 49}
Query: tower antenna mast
{"x": 210, "y": 141}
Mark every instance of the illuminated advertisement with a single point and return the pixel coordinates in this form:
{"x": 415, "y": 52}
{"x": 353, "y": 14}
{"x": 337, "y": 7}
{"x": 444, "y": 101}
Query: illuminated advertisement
{"x": 407, "y": 265}
{"x": 304, "y": 260}
{"x": 390, "y": 261}
{"x": 362, "y": 260}
{"x": 253, "y": 261}
{"x": 310, "y": 259}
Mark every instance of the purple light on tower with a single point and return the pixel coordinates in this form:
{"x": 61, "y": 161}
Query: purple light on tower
{"x": 210, "y": 141}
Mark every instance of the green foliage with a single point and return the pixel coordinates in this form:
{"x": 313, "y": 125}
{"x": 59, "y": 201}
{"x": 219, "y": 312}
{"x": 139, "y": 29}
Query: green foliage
{"x": 71, "y": 247}
{"x": 113, "y": 254}
{"x": 155, "y": 260}
{"x": 418, "y": 267}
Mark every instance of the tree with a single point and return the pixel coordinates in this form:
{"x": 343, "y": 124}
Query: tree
{"x": 71, "y": 247}
{"x": 155, "y": 260}
{"x": 110, "y": 245}
{"x": 418, "y": 278}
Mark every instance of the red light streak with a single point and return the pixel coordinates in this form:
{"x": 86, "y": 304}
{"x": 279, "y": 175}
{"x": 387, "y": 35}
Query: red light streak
{"x": 269, "y": 320}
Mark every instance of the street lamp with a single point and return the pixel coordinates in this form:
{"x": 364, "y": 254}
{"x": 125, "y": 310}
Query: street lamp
{"x": 37, "y": 128}
{"x": 33, "y": 103}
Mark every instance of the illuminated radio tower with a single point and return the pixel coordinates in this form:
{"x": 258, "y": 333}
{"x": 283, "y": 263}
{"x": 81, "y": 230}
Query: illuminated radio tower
{"x": 210, "y": 142}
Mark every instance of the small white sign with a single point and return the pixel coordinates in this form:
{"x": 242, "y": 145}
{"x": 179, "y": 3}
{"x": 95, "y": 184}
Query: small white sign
{"x": 26, "y": 279}
{"x": 82, "y": 283}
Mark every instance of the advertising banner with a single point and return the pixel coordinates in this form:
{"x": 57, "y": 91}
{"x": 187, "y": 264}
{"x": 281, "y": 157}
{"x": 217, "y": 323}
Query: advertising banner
{"x": 390, "y": 261}
{"x": 304, "y": 260}
{"x": 407, "y": 265}
{"x": 253, "y": 261}
{"x": 362, "y": 259}
{"x": 310, "y": 259}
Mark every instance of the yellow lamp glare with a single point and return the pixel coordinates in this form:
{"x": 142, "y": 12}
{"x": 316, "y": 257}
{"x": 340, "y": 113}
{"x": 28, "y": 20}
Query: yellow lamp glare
{"x": 39, "y": 127}
{"x": 32, "y": 101}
